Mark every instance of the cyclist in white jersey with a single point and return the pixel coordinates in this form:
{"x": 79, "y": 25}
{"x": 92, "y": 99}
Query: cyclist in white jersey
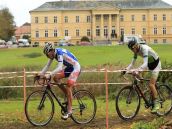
{"x": 71, "y": 70}
{"x": 151, "y": 62}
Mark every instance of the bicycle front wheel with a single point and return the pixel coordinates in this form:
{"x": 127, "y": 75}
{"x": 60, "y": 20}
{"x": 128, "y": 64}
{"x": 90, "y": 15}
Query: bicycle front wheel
{"x": 39, "y": 108}
{"x": 165, "y": 100}
{"x": 83, "y": 107}
{"x": 127, "y": 103}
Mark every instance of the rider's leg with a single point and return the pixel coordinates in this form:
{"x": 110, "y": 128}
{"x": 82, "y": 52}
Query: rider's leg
{"x": 152, "y": 84}
{"x": 70, "y": 84}
{"x": 153, "y": 88}
{"x": 69, "y": 87}
{"x": 57, "y": 78}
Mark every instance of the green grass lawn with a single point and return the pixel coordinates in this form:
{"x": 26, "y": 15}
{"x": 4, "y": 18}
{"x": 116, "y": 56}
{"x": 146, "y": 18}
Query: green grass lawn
{"x": 14, "y": 110}
{"x": 88, "y": 56}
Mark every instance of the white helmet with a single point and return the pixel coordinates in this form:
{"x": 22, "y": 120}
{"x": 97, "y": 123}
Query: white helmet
{"x": 47, "y": 48}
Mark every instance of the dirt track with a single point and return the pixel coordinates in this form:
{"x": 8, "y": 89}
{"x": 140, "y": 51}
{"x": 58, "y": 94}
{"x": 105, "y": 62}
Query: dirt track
{"x": 98, "y": 123}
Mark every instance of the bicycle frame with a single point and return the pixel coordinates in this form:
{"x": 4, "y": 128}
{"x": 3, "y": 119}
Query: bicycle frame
{"x": 48, "y": 90}
{"x": 138, "y": 89}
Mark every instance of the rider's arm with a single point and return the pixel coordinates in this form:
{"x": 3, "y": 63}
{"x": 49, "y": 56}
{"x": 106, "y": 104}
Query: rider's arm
{"x": 132, "y": 62}
{"x": 145, "y": 60}
{"x": 44, "y": 70}
{"x": 59, "y": 66}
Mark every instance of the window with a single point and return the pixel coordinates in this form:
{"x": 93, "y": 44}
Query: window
{"x": 132, "y": 17}
{"x": 77, "y": 32}
{"x": 155, "y": 31}
{"x": 133, "y": 30}
{"x": 66, "y": 19}
{"x": 105, "y": 31}
{"x": 113, "y": 18}
{"x": 164, "y": 17}
{"x": 36, "y": 19}
{"x": 155, "y": 17}
{"x": 88, "y": 32}
{"x": 164, "y": 40}
{"x": 97, "y": 31}
{"x": 144, "y": 31}
{"x": 155, "y": 41}
{"x": 143, "y": 17}
{"x": 121, "y": 17}
{"x": 46, "y": 33}
{"x": 164, "y": 30}
{"x": 106, "y": 18}
{"x": 66, "y": 33}
{"x": 55, "y": 19}
{"x": 113, "y": 32}
{"x": 37, "y": 34}
{"x": 88, "y": 19}
{"x": 45, "y": 19}
{"x": 122, "y": 31}
{"x": 77, "y": 19}
{"x": 97, "y": 18}
{"x": 55, "y": 33}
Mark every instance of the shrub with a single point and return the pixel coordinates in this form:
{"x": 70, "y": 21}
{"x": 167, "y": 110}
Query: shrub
{"x": 85, "y": 38}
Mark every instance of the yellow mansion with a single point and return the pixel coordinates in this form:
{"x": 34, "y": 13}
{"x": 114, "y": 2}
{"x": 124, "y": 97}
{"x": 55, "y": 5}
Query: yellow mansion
{"x": 101, "y": 21}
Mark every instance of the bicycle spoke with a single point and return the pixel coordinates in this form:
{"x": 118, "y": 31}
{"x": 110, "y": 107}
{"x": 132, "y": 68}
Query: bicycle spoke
{"x": 165, "y": 100}
{"x": 39, "y": 108}
{"x": 127, "y": 103}
{"x": 84, "y": 107}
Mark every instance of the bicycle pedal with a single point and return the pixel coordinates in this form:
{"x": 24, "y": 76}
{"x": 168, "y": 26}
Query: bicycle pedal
{"x": 65, "y": 103}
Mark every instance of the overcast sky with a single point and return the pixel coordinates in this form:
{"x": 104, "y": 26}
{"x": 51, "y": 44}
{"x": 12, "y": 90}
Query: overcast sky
{"x": 20, "y": 8}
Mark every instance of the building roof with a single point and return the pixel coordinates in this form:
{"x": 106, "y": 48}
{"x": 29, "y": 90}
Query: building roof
{"x": 91, "y": 5}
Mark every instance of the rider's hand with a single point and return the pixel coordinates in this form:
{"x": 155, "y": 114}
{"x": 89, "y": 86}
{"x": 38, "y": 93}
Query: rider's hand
{"x": 135, "y": 72}
{"x": 123, "y": 72}
{"x": 48, "y": 76}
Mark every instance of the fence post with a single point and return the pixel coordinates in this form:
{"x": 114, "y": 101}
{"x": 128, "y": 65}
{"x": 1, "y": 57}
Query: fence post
{"x": 106, "y": 81}
{"x": 24, "y": 86}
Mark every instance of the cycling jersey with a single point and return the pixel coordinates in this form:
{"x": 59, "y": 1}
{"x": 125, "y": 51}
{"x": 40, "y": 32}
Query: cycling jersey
{"x": 64, "y": 57}
{"x": 150, "y": 60}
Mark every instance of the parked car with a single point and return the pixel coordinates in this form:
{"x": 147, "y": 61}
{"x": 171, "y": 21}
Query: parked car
{"x": 35, "y": 44}
{"x": 63, "y": 44}
{"x": 23, "y": 43}
{"x": 129, "y": 37}
{"x": 3, "y": 44}
{"x": 85, "y": 43}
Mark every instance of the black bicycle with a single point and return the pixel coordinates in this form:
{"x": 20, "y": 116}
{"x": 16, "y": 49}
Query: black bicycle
{"x": 128, "y": 99}
{"x": 39, "y": 106}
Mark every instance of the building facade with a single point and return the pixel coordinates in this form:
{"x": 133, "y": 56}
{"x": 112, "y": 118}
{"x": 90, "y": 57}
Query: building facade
{"x": 25, "y": 29}
{"x": 101, "y": 21}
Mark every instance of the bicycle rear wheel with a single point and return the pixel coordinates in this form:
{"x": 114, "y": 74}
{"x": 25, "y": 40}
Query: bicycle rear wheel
{"x": 83, "y": 107}
{"x": 127, "y": 103}
{"x": 165, "y": 100}
{"x": 39, "y": 108}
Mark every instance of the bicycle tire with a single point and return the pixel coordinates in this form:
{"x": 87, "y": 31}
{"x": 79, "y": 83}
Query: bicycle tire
{"x": 31, "y": 101}
{"x": 120, "y": 103}
{"x": 162, "y": 91}
{"x": 84, "y": 107}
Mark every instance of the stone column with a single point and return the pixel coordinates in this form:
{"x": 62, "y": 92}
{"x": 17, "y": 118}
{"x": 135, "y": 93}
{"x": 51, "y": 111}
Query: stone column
{"x": 102, "y": 27}
{"x": 93, "y": 34}
{"x": 110, "y": 26}
{"x": 118, "y": 26}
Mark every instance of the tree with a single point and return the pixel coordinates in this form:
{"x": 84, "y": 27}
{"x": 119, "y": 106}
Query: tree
{"x": 7, "y": 25}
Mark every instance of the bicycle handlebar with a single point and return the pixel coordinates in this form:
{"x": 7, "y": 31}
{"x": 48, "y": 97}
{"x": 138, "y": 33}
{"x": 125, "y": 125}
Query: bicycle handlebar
{"x": 135, "y": 76}
{"x": 46, "y": 81}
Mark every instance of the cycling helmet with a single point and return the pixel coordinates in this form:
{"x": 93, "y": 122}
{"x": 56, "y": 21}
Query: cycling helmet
{"x": 47, "y": 48}
{"x": 132, "y": 43}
